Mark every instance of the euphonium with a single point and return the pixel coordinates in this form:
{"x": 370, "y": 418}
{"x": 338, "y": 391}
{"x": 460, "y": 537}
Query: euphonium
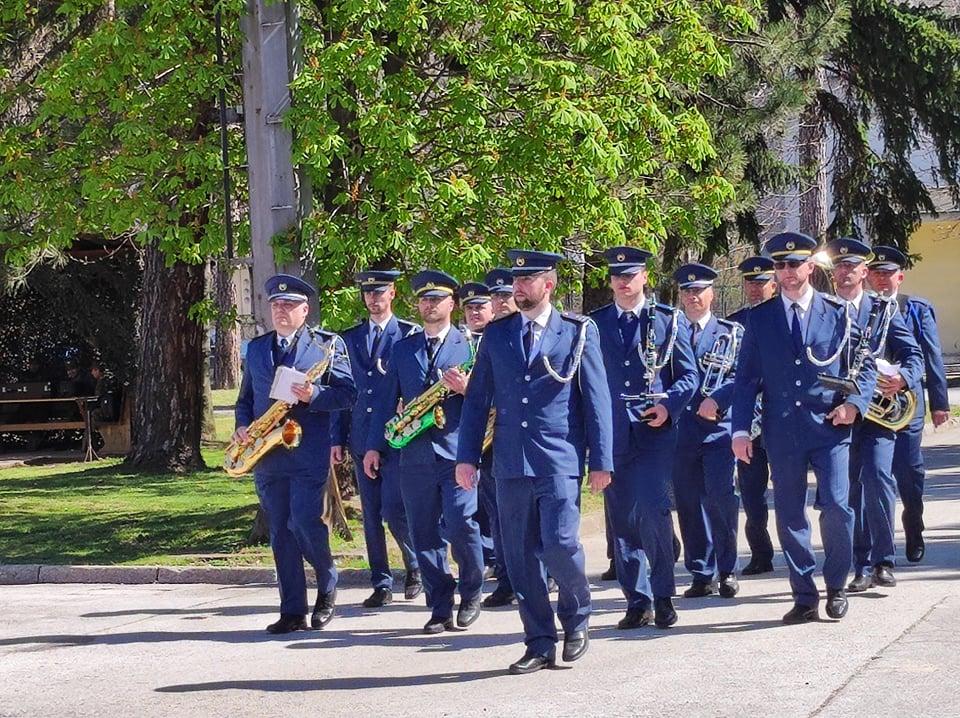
{"x": 272, "y": 428}
{"x": 420, "y": 414}
{"x": 892, "y": 412}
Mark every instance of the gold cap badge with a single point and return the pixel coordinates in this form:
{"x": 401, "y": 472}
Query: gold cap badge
{"x": 521, "y": 261}
{"x": 621, "y": 257}
{"x": 282, "y": 287}
{"x": 791, "y": 245}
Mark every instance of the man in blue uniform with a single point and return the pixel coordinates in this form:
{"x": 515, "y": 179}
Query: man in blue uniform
{"x": 885, "y": 277}
{"x": 646, "y": 352}
{"x": 291, "y": 483}
{"x": 543, "y": 372}
{"x": 873, "y": 490}
{"x": 430, "y": 493}
{"x": 791, "y": 344}
{"x": 476, "y": 300}
{"x": 500, "y": 283}
{"x": 370, "y": 344}
{"x": 703, "y": 472}
{"x": 758, "y": 286}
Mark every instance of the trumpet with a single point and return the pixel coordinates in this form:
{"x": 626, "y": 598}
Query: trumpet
{"x": 272, "y": 429}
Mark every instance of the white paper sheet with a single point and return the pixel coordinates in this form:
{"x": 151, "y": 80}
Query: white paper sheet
{"x": 283, "y": 381}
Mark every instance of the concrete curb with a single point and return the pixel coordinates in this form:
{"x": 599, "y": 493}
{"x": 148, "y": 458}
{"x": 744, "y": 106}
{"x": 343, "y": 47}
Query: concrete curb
{"x": 19, "y": 574}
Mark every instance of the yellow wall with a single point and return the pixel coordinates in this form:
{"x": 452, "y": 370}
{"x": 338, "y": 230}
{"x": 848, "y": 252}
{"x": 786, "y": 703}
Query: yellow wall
{"x": 936, "y": 277}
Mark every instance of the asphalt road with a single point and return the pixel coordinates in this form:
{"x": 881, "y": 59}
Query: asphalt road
{"x": 198, "y": 650}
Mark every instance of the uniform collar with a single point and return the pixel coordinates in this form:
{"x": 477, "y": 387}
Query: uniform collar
{"x": 541, "y": 319}
{"x": 857, "y": 301}
{"x": 636, "y": 310}
{"x": 703, "y": 321}
{"x": 441, "y": 336}
{"x": 382, "y": 325}
{"x": 804, "y": 301}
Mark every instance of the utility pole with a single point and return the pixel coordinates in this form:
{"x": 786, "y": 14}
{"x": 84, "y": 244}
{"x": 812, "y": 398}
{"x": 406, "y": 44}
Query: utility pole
{"x": 269, "y": 51}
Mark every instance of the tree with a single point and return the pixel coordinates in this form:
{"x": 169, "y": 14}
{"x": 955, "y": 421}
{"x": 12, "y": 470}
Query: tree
{"x": 112, "y": 132}
{"x": 443, "y": 133}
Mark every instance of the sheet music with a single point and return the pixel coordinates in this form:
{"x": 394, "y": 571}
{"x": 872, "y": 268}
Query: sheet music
{"x": 283, "y": 381}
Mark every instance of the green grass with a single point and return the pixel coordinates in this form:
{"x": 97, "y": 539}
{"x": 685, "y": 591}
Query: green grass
{"x": 224, "y": 398}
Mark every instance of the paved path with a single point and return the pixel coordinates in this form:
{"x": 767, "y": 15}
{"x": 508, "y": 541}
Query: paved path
{"x": 198, "y": 650}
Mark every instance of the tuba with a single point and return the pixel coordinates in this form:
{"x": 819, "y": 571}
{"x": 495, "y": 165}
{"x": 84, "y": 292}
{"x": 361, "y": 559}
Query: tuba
{"x": 272, "y": 428}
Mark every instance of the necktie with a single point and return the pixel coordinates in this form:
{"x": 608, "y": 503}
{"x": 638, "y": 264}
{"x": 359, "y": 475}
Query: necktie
{"x": 528, "y": 341}
{"x": 628, "y": 327}
{"x": 432, "y": 343}
{"x": 375, "y": 342}
{"x": 284, "y": 343}
{"x": 694, "y": 335}
{"x": 796, "y": 333}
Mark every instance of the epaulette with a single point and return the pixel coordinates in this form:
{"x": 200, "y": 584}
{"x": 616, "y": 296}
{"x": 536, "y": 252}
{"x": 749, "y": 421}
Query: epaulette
{"x": 355, "y": 327}
{"x": 574, "y": 317}
{"x": 835, "y": 300}
{"x": 742, "y": 311}
{"x": 917, "y": 300}
{"x": 729, "y": 323}
{"x": 511, "y": 315}
{"x": 665, "y": 308}
{"x": 263, "y": 337}
{"x": 408, "y": 328}
{"x": 774, "y": 298}
{"x": 600, "y": 309}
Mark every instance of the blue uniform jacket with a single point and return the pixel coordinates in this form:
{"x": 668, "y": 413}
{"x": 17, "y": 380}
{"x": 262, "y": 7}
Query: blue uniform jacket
{"x": 795, "y": 403}
{"x": 543, "y": 426}
{"x": 407, "y": 378}
{"x": 694, "y": 429}
{"x": 352, "y": 427}
{"x": 921, "y": 321}
{"x": 677, "y": 379}
{"x": 335, "y": 390}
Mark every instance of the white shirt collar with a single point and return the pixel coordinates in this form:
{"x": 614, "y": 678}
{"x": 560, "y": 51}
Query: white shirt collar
{"x": 541, "y": 319}
{"x": 441, "y": 336}
{"x": 857, "y": 300}
{"x": 636, "y": 310}
{"x": 289, "y": 337}
{"x": 382, "y": 325}
{"x": 804, "y": 301}
{"x": 703, "y": 321}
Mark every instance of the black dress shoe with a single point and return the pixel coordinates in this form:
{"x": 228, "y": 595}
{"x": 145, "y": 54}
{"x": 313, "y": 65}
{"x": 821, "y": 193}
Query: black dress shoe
{"x": 861, "y": 582}
{"x": 883, "y": 576}
{"x": 915, "y": 546}
{"x": 635, "y": 618}
{"x": 468, "y": 612}
{"x": 412, "y": 585}
{"x": 837, "y": 603}
{"x": 611, "y": 573}
{"x": 756, "y": 567}
{"x": 666, "y": 616}
{"x": 323, "y": 609}
{"x": 801, "y": 614}
{"x": 575, "y": 645}
{"x": 699, "y": 589}
{"x": 498, "y": 598}
{"x": 530, "y": 663}
{"x": 379, "y": 597}
{"x": 729, "y": 585}
{"x": 438, "y": 625}
{"x": 288, "y": 622}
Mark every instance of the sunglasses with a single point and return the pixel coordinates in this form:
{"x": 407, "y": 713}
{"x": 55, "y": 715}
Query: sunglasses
{"x": 789, "y": 263}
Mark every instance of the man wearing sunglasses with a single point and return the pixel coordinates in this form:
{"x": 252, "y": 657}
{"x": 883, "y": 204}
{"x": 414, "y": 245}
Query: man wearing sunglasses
{"x": 758, "y": 286}
{"x": 788, "y": 342}
{"x": 885, "y": 276}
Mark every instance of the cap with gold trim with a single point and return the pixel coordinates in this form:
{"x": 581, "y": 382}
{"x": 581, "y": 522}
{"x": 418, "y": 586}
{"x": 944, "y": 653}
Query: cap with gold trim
{"x": 887, "y": 258}
{"x": 433, "y": 283}
{"x": 756, "y": 269}
{"x": 790, "y": 245}
{"x": 376, "y": 280}
{"x": 524, "y": 262}
{"x": 499, "y": 281}
{"x": 289, "y": 287}
{"x": 694, "y": 276}
{"x": 626, "y": 260}
{"x": 847, "y": 250}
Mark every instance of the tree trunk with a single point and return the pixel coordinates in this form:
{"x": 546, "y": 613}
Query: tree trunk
{"x": 811, "y": 151}
{"x": 169, "y": 398}
{"x": 226, "y": 351}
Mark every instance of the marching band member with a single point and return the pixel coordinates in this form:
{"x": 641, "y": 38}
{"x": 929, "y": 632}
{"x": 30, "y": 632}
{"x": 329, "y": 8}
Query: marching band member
{"x": 885, "y": 276}
{"x": 291, "y": 483}
{"x": 430, "y": 493}
{"x": 789, "y": 345}
{"x": 644, "y": 351}
{"x": 543, "y": 371}
{"x": 758, "y": 286}
{"x": 703, "y": 471}
{"x": 873, "y": 492}
{"x": 369, "y": 344}
{"x": 500, "y": 283}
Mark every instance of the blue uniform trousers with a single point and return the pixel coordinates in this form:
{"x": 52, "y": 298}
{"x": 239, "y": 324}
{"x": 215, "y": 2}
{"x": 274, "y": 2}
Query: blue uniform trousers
{"x": 638, "y": 501}
{"x": 437, "y": 508}
{"x": 707, "y": 508}
{"x": 485, "y": 525}
{"x": 752, "y": 479}
{"x": 294, "y": 506}
{"x": 540, "y": 520}
{"x": 789, "y": 475}
{"x": 909, "y": 470}
{"x": 488, "y": 497}
{"x": 873, "y": 496}
{"x": 381, "y": 502}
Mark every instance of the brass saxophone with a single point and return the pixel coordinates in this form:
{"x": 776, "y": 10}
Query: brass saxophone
{"x": 421, "y": 414}
{"x": 272, "y": 428}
